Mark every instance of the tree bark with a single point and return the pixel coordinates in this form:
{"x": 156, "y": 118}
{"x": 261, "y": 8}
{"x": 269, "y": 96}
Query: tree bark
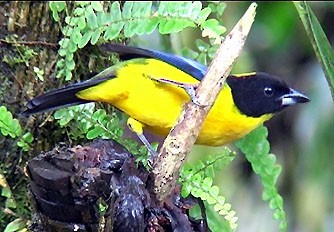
{"x": 28, "y": 39}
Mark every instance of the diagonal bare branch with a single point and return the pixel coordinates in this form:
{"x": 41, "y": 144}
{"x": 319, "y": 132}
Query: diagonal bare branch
{"x": 183, "y": 135}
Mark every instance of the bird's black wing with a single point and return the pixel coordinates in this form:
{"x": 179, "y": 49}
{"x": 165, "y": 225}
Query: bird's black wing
{"x": 189, "y": 66}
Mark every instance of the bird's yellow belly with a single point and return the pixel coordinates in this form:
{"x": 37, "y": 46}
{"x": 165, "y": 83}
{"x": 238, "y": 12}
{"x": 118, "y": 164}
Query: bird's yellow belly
{"x": 160, "y": 108}
{"x": 158, "y": 105}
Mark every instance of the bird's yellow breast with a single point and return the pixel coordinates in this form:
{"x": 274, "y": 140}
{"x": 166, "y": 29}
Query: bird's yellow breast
{"x": 158, "y": 105}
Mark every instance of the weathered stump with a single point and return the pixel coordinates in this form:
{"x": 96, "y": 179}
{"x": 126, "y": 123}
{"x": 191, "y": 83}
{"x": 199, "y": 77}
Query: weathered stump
{"x": 69, "y": 185}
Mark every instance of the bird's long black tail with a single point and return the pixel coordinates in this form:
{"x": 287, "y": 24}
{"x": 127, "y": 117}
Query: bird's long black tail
{"x": 60, "y": 98}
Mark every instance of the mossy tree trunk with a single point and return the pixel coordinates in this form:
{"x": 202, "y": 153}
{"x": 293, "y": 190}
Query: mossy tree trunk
{"x": 29, "y": 39}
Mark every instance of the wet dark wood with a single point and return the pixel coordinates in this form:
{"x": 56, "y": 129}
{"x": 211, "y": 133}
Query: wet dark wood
{"x": 67, "y": 185}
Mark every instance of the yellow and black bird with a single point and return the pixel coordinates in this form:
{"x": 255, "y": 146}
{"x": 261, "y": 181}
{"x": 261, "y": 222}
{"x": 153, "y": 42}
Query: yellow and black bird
{"x": 134, "y": 86}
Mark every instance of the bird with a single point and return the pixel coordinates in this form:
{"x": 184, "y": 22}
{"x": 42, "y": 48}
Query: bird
{"x": 150, "y": 87}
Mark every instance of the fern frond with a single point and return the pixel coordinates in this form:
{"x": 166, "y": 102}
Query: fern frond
{"x": 198, "y": 181}
{"x": 84, "y": 121}
{"x": 91, "y": 23}
{"x": 264, "y": 165}
{"x": 10, "y": 126}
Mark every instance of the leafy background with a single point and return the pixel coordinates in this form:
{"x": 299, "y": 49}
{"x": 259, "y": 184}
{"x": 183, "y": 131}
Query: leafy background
{"x": 300, "y": 137}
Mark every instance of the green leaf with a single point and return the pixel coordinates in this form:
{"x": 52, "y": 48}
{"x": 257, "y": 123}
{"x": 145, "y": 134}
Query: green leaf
{"x": 217, "y": 7}
{"x": 194, "y": 10}
{"x": 23, "y": 145}
{"x": 217, "y": 223}
{"x": 217, "y": 207}
{"x": 73, "y": 21}
{"x": 64, "y": 42}
{"x": 150, "y": 25}
{"x": 221, "y": 200}
{"x": 5, "y": 192}
{"x": 85, "y": 38}
{"x": 60, "y": 5}
{"x": 202, "y": 58}
{"x": 319, "y": 41}
{"x": 56, "y": 7}
{"x": 70, "y": 64}
{"x": 182, "y": 9}
{"x": 61, "y": 72}
{"x": 91, "y": 17}
{"x": 207, "y": 183}
{"x": 212, "y": 28}
{"x": 82, "y": 22}
{"x": 212, "y": 50}
{"x": 76, "y": 35}
{"x": 162, "y": 10}
{"x": 141, "y": 9}
{"x": 127, "y": 10}
{"x": 15, "y": 225}
{"x": 99, "y": 115}
{"x": 55, "y": 16}
{"x": 115, "y": 12}
{"x": 79, "y": 11}
{"x": 196, "y": 179}
{"x": 52, "y": 6}
{"x": 69, "y": 57}
{"x": 102, "y": 19}
{"x": 130, "y": 28}
{"x": 72, "y": 47}
{"x": 64, "y": 116}
{"x": 206, "y": 197}
{"x": 196, "y": 192}
{"x": 255, "y": 142}
{"x": 201, "y": 45}
{"x": 186, "y": 189}
{"x": 68, "y": 75}
{"x": 113, "y": 31}
{"x": 82, "y": 3}
{"x": 95, "y": 37}
{"x": 67, "y": 31}
{"x": 28, "y": 137}
{"x": 189, "y": 53}
{"x": 10, "y": 203}
{"x": 68, "y": 19}
{"x": 221, "y": 8}
{"x": 8, "y": 125}
{"x": 214, "y": 191}
{"x": 95, "y": 132}
{"x": 174, "y": 25}
{"x": 62, "y": 52}
{"x": 97, "y": 6}
{"x": 203, "y": 15}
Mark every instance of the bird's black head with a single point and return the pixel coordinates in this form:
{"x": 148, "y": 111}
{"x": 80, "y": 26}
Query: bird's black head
{"x": 260, "y": 93}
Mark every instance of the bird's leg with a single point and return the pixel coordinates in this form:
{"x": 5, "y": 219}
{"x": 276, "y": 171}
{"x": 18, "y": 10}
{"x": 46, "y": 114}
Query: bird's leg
{"x": 137, "y": 128}
{"x": 189, "y": 88}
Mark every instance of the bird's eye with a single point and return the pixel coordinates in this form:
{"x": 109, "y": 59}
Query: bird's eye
{"x": 268, "y": 91}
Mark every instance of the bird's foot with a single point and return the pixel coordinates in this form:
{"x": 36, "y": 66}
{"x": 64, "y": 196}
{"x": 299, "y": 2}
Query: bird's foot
{"x": 189, "y": 88}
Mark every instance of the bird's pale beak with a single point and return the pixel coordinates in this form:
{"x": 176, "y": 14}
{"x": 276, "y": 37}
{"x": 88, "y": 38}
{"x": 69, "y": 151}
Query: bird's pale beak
{"x": 293, "y": 97}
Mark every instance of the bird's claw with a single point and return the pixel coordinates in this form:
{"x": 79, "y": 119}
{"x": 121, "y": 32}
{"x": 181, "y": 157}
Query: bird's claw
{"x": 189, "y": 88}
